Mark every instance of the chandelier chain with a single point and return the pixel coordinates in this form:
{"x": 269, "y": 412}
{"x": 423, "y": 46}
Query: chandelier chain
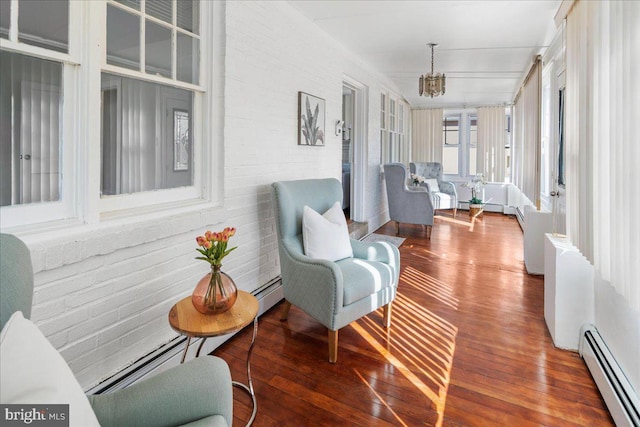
{"x": 431, "y": 60}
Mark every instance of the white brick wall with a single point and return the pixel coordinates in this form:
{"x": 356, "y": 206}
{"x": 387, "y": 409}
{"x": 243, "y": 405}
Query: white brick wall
{"x": 103, "y": 291}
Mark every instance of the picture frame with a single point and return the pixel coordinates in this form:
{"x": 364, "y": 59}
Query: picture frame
{"x": 181, "y": 140}
{"x": 311, "y": 120}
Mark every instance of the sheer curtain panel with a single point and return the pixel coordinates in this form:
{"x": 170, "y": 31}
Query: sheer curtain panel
{"x": 530, "y": 127}
{"x": 426, "y": 135}
{"x": 491, "y": 141}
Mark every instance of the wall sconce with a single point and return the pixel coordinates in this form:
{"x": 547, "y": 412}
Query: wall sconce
{"x": 339, "y": 124}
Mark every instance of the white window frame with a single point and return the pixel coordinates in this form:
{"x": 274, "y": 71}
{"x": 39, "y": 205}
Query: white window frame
{"x": 30, "y": 213}
{"x": 462, "y": 137}
{"x": 394, "y": 141}
{"x": 126, "y": 202}
{"x": 83, "y": 66}
{"x": 470, "y": 145}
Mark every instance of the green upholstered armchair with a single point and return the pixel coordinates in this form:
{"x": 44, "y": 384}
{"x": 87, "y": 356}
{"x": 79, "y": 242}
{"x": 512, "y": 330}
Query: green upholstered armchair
{"x": 334, "y": 293}
{"x": 197, "y": 393}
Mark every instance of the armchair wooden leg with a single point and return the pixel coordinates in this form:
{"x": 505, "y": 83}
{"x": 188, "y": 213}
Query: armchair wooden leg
{"x": 333, "y": 346}
{"x": 397, "y": 228}
{"x": 429, "y": 232}
{"x": 286, "y": 306}
{"x": 455, "y": 210}
{"x": 387, "y": 315}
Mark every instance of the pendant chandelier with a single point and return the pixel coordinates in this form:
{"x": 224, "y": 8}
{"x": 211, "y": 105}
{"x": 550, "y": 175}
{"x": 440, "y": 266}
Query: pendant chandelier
{"x": 432, "y": 84}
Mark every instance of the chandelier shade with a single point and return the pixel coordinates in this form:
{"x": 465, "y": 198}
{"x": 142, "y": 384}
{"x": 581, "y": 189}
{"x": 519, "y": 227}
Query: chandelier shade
{"x": 432, "y": 84}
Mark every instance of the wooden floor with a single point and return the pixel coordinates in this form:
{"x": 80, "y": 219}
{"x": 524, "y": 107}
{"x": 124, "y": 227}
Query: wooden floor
{"x": 468, "y": 346}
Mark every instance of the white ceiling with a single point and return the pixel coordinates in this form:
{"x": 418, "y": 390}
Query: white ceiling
{"x": 485, "y": 47}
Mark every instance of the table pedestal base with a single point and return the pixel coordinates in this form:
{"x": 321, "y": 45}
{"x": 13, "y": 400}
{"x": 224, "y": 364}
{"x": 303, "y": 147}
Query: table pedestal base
{"x": 246, "y": 387}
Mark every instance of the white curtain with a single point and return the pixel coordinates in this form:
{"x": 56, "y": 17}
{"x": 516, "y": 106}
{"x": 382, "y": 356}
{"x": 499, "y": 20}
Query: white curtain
{"x": 426, "y": 135}
{"x": 603, "y": 147}
{"x": 516, "y": 143}
{"x": 490, "y": 160}
{"x": 528, "y": 106}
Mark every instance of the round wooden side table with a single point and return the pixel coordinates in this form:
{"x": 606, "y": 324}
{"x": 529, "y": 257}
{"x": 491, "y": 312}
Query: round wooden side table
{"x": 186, "y": 320}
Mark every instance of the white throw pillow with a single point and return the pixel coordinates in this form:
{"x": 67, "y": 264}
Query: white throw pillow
{"x": 326, "y": 236}
{"x": 433, "y": 185}
{"x": 32, "y": 372}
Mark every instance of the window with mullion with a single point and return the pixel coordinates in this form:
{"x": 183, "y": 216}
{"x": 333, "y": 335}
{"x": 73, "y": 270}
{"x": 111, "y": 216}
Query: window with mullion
{"x": 159, "y": 38}
{"x": 31, "y": 102}
{"x": 148, "y": 127}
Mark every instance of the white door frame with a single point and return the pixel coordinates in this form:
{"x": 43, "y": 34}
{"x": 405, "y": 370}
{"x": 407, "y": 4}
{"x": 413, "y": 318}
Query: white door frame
{"x": 360, "y": 158}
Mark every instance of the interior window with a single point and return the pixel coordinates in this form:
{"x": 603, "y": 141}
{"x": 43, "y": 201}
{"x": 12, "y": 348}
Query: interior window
{"x": 146, "y": 136}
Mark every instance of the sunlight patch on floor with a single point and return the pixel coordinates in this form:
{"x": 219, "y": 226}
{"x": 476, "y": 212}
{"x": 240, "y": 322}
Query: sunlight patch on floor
{"x": 380, "y": 398}
{"x": 420, "y": 343}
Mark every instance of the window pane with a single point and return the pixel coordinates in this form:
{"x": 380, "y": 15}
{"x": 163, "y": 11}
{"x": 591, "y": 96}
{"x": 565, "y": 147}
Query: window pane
{"x": 450, "y": 160}
{"x": 392, "y": 115}
{"x": 451, "y": 130}
{"x": 5, "y": 17}
{"x": 383, "y": 106}
{"x": 473, "y": 131}
{"x": 134, "y": 4}
{"x": 157, "y": 49}
{"x": 123, "y": 38}
{"x": 160, "y": 9}
{"x": 147, "y": 143}
{"x": 189, "y": 15}
{"x": 188, "y": 59}
{"x": 30, "y": 129}
{"x": 472, "y": 160}
{"x": 44, "y": 24}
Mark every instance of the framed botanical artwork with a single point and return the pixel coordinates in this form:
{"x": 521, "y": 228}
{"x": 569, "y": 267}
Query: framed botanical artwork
{"x": 311, "y": 115}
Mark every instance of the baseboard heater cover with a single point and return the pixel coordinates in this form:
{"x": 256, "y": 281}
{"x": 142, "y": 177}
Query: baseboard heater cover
{"x": 620, "y": 397}
{"x": 168, "y": 354}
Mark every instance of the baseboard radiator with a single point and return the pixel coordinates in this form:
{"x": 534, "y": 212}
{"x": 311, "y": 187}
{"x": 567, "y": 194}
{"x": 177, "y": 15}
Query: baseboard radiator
{"x": 622, "y": 401}
{"x": 170, "y": 353}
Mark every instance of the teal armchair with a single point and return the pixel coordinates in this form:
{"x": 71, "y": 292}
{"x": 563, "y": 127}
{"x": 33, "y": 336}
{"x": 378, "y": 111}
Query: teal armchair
{"x": 335, "y": 293}
{"x": 197, "y": 393}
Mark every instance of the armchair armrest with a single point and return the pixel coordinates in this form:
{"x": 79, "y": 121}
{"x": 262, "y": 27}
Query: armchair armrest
{"x": 385, "y": 253}
{"x": 322, "y": 281}
{"x": 198, "y": 389}
{"x": 449, "y": 188}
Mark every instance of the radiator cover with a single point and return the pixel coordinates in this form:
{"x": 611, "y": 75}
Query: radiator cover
{"x": 620, "y": 397}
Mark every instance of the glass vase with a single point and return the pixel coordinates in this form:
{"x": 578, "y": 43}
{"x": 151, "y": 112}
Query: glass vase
{"x": 215, "y": 293}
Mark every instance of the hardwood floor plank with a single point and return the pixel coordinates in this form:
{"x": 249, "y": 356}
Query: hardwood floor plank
{"x": 468, "y": 346}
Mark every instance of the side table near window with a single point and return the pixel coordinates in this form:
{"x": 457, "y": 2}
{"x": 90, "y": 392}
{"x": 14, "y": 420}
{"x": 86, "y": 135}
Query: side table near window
{"x": 186, "y": 320}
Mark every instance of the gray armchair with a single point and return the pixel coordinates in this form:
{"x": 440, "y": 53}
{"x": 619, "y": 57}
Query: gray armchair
{"x": 446, "y": 196}
{"x": 198, "y": 392}
{"x": 334, "y": 293}
{"x": 411, "y": 205}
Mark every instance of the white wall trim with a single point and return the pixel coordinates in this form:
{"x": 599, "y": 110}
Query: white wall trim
{"x": 360, "y": 146}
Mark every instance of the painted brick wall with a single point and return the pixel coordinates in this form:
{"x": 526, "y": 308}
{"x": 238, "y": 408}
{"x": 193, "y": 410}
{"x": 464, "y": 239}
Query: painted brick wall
{"x": 103, "y": 291}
